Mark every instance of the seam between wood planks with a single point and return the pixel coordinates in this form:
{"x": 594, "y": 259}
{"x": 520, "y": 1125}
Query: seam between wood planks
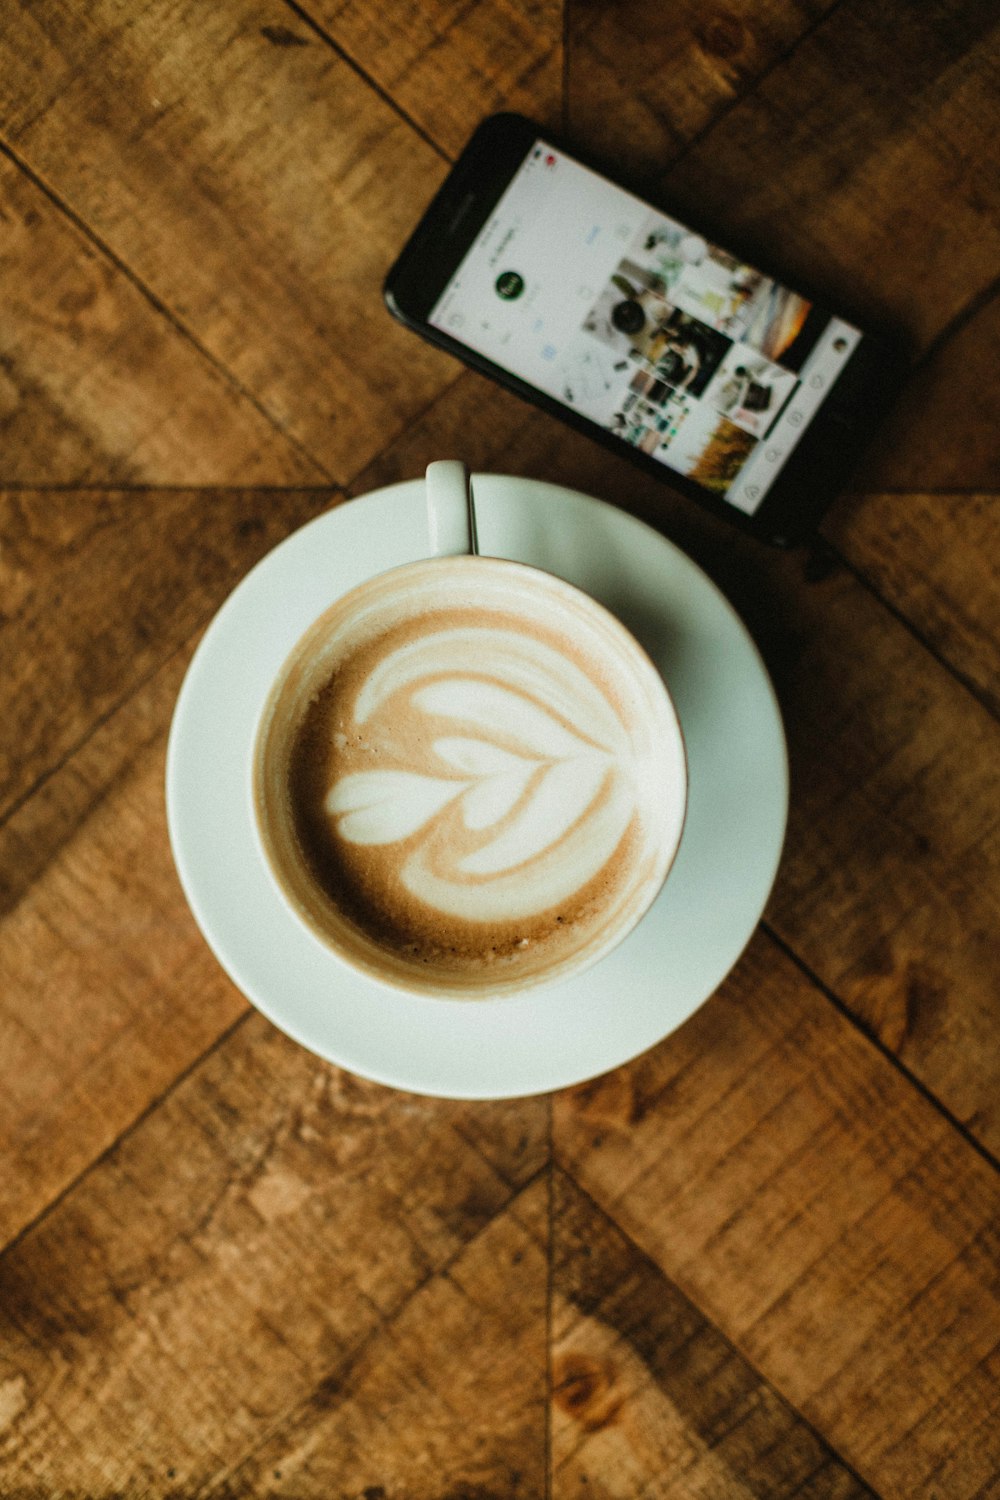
{"x": 914, "y": 631}
{"x": 366, "y": 78}
{"x": 709, "y": 1322}
{"x": 352, "y": 1356}
{"x": 976, "y": 304}
{"x": 98, "y": 724}
{"x": 871, "y": 1036}
{"x": 123, "y": 1135}
{"x": 162, "y": 308}
{"x": 751, "y": 87}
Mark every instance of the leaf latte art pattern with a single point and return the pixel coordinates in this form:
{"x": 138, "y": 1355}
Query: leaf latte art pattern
{"x": 496, "y": 764}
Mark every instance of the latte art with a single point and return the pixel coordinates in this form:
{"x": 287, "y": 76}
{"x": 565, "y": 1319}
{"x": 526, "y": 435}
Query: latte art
{"x": 469, "y": 776}
{"x": 502, "y": 750}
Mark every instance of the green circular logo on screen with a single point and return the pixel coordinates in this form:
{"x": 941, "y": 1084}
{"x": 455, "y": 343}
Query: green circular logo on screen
{"x": 509, "y": 285}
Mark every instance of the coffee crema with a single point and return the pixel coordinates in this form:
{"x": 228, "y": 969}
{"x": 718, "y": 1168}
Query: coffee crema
{"x": 463, "y": 780}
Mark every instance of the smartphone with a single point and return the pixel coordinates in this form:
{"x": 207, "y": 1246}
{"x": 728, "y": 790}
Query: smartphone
{"x": 565, "y": 286}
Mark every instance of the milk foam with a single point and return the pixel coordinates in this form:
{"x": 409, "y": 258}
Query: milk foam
{"x": 532, "y": 754}
{"x": 468, "y": 778}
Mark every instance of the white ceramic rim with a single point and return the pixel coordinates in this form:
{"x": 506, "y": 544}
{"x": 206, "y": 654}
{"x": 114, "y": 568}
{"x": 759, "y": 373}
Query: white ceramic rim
{"x": 648, "y": 678}
{"x": 549, "y": 1037}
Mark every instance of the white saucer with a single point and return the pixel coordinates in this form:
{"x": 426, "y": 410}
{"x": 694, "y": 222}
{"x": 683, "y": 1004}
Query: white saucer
{"x": 543, "y": 1040}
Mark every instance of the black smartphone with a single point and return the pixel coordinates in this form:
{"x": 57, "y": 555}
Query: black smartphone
{"x": 577, "y": 294}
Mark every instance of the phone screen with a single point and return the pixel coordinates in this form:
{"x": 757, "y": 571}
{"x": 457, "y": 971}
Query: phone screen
{"x": 634, "y": 321}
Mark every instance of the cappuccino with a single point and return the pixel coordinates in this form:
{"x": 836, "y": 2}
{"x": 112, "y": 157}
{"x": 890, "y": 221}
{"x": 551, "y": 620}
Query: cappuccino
{"x": 469, "y": 778}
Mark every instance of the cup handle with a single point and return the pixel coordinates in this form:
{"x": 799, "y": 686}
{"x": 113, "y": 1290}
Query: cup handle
{"x": 451, "y": 513}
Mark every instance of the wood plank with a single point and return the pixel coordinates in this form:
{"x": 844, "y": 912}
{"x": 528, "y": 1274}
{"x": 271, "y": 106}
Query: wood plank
{"x": 99, "y": 590}
{"x": 933, "y": 557}
{"x": 649, "y": 1398}
{"x": 889, "y": 889}
{"x": 96, "y": 385}
{"x": 643, "y": 81}
{"x": 828, "y": 166}
{"x": 450, "y": 1399}
{"x": 265, "y": 1255}
{"x": 921, "y": 519}
{"x": 890, "y": 880}
{"x": 943, "y": 433}
{"x": 832, "y": 1223}
{"x": 107, "y": 990}
{"x": 448, "y": 64}
{"x": 258, "y": 191}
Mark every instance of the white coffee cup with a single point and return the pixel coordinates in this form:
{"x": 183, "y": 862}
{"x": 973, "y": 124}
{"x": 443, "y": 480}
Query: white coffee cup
{"x": 469, "y": 778}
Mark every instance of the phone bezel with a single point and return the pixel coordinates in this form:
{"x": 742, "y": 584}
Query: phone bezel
{"x": 828, "y": 450}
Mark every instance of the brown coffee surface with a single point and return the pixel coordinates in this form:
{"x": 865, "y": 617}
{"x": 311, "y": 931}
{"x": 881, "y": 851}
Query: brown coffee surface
{"x": 462, "y": 790}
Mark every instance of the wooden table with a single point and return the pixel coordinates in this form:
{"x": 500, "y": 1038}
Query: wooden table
{"x": 762, "y": 1260}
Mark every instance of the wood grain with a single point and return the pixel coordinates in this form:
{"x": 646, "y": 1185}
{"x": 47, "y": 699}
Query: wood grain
{"x": 889, "y": 886}
{"x": 107, "y": 990}
{"x": 942, "y": 433}
{"x": 447, "y": 64}
{"x": 102, "y": 589}
{"x": 257, "y": 192}
{"x": 831, "y": 1223}
{"x": 648, "y": 1397}
{"x": 950, "y": 595}
{"x": 96, "y": 385}
{"x": 276, "y": 1234}
{"x": 644, "y": 81}
{"x": 449, "y": 1400}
